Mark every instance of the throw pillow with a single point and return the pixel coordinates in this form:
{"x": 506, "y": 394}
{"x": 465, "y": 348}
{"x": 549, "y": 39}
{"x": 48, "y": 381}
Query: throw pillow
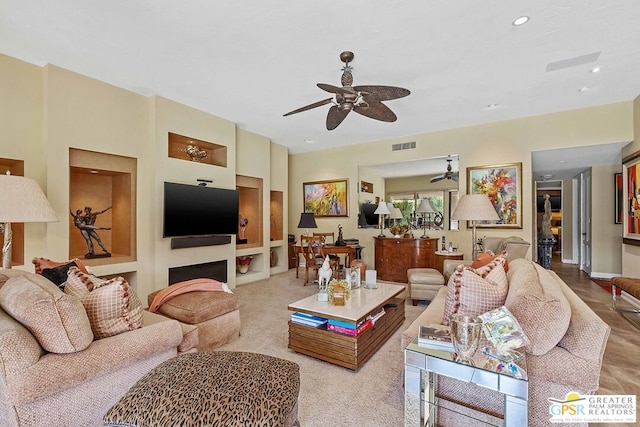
{"x": 111, "y": 305}
{"x": 486, "y": 257}
{"x": 539, "y": 305}
{"x": 41, "y": 263}
{"x": 475, "y": 291}
{"x": 58, "y": 321}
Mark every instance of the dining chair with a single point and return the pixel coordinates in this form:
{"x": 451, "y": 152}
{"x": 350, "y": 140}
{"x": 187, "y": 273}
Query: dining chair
{"x": 311, "y": 250}
{"x": 334, "y": 260}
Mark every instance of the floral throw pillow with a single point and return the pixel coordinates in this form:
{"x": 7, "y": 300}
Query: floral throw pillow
{"x": 111, "y": 305}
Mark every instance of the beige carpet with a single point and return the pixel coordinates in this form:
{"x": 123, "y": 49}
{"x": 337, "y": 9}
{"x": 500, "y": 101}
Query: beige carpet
{"x": 329, "y": 395}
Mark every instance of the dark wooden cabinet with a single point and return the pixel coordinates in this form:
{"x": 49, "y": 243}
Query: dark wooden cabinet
{"x": 293, "y": 257}
{"x": 394, "y": 256}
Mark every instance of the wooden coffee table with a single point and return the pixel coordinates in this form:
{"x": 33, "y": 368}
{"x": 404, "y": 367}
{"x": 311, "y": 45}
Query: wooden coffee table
{"x": 344, "y": 350}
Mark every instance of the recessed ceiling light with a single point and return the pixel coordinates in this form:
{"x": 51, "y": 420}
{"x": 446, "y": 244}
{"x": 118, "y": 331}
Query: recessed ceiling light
{"x": 585, "y": 89}
{"x": 93, "y": 171}
{"x": 595, "y": 70}
{"x": 309, "y": 141}
{"x": 492, "y": 106}
{"x": 563, "y": 161}
{"x": 520, "y": 20}
{"x": 547, "y": 176}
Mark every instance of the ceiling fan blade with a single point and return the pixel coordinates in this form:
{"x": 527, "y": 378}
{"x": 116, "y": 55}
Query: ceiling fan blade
{"x": 455, "y": 177}
{"x": 335, "y": 89}
{"x": 376, "y": 110}
{"x": 436, "y": 178}
{"x": 335, "y": 116}
{"x": 384, "y": 93}
{"x": 310, "y": 106}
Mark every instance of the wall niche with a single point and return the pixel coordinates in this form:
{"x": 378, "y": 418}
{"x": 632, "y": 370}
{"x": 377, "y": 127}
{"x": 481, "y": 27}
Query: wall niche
{"x": 180, "y": 147}
{"x": 14, "y": 167}
{"x": 104, "y": 182}
{"x": 250, "y": 190}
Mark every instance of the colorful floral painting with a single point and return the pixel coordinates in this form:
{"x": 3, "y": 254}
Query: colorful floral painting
{"x": 631, "y": 190}
{"x": 502, "y": 183}
{"x": 326, "y": 198}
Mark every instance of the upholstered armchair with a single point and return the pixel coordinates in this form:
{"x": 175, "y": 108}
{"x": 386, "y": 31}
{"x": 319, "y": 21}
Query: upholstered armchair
{"x": 516, "y": 247}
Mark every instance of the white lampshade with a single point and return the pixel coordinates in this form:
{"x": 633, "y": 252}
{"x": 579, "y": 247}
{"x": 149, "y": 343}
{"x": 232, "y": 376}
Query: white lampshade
{"x": 425, "y": 206}
{"x": 396, "y": 214}
{"x": 382, "y": 209}
{"x": 22, "y": 200}
{"x": 475, "y": 207}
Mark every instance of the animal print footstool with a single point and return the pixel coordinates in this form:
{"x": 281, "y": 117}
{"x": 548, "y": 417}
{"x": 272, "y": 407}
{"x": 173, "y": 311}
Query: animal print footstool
{"x": 219, "y": 388}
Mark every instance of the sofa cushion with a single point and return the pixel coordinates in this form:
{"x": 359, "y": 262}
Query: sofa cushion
{"x": 58, "y": 321}
{"x": 539, "y": 305}
{"x": 475, "y": 291}
{"x": 111, "y": 305}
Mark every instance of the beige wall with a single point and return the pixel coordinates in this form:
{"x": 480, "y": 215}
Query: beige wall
{"x": 567, "y": 220}
{"x": 45, "y": 111}
{"x": 495, "y": 143}
{"x": 606, "y": 236}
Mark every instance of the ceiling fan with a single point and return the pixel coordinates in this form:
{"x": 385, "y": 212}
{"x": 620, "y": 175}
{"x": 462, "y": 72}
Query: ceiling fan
{"x": 449, "y": 174}
{"x": 365, "y": 100}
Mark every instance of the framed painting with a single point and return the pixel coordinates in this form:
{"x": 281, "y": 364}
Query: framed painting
{"x": 326, "y": 198}
{"x": 631, "y": 199}
{"x": 503, "y": 185}
{"x": 617, "y": 186}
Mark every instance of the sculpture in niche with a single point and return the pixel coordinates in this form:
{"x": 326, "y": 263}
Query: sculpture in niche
{"x": 242, "y": 229}
{"x": 195, "y": 153}
{"x": 85, "y": 222}
{"x": 546, "y": 219}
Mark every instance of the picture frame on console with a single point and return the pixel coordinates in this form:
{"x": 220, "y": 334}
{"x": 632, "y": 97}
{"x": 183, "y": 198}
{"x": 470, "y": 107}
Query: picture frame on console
{"x": 503, "y": 184}
{"x": 631, "y": 203}
{"x": 326, "y": 198}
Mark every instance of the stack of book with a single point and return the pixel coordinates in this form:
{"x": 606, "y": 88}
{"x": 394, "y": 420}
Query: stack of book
{"x": 307, "y": 319}
{"x": 375, "y": 316}
{"x": 433, "y": 337}
{"x": 348, "y": 328}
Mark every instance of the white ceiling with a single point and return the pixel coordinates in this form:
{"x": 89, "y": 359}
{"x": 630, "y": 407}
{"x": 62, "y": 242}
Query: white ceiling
{"x": 252, "y": 61}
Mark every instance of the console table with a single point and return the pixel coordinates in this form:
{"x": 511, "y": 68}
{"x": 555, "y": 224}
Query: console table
{"x": 394, "y": 256}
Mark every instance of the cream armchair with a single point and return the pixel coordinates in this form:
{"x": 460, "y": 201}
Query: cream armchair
{"x": 516, "y": 247}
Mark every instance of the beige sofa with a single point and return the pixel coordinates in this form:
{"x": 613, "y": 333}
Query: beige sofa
{"x": 567, "y": 342}
{"x": 73, "y": 388}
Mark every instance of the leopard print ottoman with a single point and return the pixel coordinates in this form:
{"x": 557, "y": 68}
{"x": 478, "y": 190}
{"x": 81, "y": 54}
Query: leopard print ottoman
{"x": 219, "y": 388}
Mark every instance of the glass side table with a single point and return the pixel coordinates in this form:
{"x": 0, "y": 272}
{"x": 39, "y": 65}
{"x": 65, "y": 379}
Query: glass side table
{"x": 422, "y": 365}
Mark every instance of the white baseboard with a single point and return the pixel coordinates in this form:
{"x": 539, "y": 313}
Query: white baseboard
{"x": 569, "y": 261}
{"x": 607, "y": 276}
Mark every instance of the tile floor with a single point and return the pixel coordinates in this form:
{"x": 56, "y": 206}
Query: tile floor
{"x": 621, "y": 363}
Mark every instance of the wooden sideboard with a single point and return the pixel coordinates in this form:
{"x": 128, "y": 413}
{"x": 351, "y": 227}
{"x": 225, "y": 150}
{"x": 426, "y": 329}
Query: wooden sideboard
{"x": 394, "y": 256}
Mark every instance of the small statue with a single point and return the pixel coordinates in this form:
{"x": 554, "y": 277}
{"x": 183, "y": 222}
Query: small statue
{"x": 324, "y": 273}
{"x": 86, "y": 224}
{"x": 546, "y": 219}
{"x": 340, "y": 241}
{"x": 242, "y": 227}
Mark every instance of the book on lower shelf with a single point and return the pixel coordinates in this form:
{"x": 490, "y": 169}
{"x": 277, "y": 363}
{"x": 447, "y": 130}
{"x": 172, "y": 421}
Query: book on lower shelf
{"x": 349, "y": 331}
{"x": 308, "y": 319}
{"x": 435, "y": 336}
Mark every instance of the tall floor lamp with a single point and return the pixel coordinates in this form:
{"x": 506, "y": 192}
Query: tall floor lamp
{"x": 381, "y": 211}
{"x": 426, "y": 209}
{"x": 307, "y": 221}
{"x": 475, "y": 207}
{"x": 21, "y": 200}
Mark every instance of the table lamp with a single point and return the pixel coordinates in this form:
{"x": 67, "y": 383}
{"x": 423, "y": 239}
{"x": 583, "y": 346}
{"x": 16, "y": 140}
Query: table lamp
{"x": 426, "y": 209}
{"x": 475, "y": 207}
{"x": 21, "y": 200}
{"x": 307, "y": 221}
{"x": 381, "y": 211}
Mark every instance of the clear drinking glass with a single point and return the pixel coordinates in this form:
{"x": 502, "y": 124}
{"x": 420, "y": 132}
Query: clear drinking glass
{"x": 465, "y": 335}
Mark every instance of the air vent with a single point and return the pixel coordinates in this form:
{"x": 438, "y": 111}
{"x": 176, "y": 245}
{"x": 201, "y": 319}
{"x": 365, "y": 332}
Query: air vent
{"x": 403, "y": 146}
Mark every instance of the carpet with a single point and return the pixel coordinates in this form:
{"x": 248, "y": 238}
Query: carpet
{"x": 606, "y": 285}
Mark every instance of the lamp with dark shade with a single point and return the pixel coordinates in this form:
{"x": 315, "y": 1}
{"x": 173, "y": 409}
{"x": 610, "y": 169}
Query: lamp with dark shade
{"x": 426, "y": 209}
{"x": 21, "y": 200}
{"x": 381, "y": 211}
{"x": 307, "y": 221}
{"x": 475, "y": 207}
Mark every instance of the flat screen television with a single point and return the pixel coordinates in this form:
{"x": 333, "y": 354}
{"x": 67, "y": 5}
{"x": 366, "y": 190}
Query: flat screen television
{"x": 367, "y": 217}
{"x": 193, "y": 210}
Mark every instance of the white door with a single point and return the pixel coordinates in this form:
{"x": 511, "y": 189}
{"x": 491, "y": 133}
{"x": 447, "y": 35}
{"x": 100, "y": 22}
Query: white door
{"x": 585, "y": 222}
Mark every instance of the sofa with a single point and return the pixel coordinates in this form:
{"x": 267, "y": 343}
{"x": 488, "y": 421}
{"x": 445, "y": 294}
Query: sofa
{"x": 567, "y": 341}
{"x": 76, "y": 384}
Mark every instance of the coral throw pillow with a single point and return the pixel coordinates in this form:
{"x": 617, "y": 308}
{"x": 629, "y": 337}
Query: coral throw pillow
{"x": 475, "y": 291}
{"x": 112, "y": 306}
{"x": 486, "y": 257}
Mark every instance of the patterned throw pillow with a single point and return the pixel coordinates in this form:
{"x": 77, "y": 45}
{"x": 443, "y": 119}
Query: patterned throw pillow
{"x": 112, "y": 306}
{"x": 475, "y": 291}
{"x": 42, "y": 263}
{"x": 485, "y": 258}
